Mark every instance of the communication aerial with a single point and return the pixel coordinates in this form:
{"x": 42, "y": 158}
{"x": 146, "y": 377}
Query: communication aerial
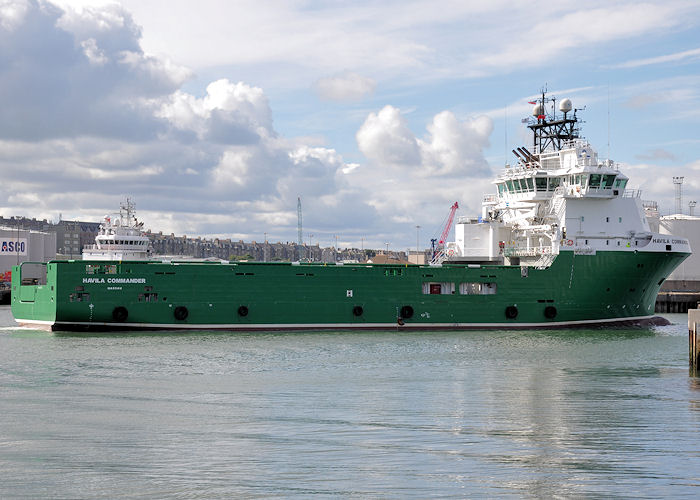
{"x": 550, "y": 132}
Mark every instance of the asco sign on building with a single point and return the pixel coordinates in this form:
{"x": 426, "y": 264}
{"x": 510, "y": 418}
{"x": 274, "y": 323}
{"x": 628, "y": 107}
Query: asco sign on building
{"x": 13, "y": 246}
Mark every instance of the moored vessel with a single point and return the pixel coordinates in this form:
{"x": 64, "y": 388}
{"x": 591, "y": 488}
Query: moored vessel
{"x": 120, "y": 237}
{"x": 562, "y": 242}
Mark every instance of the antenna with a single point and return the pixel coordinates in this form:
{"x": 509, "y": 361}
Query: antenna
{"x": 551, "y": 133}
{"x": 505, "y": 134}
{"x": 299, "y": 235}
{"x": 678, "y": 181}
{"x": 608, "y": 121}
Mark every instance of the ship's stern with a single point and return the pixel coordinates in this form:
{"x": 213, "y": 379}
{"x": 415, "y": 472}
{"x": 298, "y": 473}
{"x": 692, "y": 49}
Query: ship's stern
{"x": 34, "y": 294}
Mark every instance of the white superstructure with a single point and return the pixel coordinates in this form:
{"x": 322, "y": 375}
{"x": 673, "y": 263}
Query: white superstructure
{"x": 559, "y": 197}
{"x": 120, "y": 237}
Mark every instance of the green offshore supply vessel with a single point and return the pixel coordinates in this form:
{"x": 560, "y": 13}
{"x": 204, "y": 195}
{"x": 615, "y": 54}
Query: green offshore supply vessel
{"x": 561, "y": 243}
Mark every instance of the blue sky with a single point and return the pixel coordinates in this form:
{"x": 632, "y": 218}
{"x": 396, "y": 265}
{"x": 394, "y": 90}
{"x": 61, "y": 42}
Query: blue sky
{"x": 214, "y": 116}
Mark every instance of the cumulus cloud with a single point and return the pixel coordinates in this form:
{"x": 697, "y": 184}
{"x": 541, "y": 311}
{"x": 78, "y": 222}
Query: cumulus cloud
{"x": 450, "y": 146}
{"x": 345, "y": 87}
{"x": 228, "y": 114}
{"x": 93, "y": 118}
{"x": 65, "y": 73}
{"x": 385, "y": 138}
{"x": 456, "y": 147}
{"x": 415, "y": 180}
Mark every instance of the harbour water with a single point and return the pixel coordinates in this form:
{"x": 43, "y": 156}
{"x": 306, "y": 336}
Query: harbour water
{"x": 584, "y": 413}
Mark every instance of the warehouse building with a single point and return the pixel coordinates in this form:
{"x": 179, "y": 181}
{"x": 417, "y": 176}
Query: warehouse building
{"x": 19, "y": 245}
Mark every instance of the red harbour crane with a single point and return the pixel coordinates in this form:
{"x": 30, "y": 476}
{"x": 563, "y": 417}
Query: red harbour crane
{"x": 438, "y": 252}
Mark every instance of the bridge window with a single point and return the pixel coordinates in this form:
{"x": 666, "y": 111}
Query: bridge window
{"x": 554, "y": 183}
{"x": 608, "y": 181}
{"x": 530, "y": 186}
{"x": 595, "y": 180}
{"x": 541, "y": 183}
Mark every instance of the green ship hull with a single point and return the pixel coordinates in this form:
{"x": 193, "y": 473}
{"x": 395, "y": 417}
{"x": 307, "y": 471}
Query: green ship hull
{"x": 607, "y": 287}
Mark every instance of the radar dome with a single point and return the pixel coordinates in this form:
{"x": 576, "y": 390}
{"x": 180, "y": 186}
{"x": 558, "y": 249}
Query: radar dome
{"x": 537, "y": 110}
{"x": 565, "y": 105}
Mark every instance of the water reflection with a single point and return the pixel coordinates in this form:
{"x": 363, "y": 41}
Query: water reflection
{"x": 582, "y": 413}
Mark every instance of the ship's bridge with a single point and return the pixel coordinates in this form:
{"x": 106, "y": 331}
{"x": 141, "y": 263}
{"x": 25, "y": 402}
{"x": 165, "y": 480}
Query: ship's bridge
{"x": 572, "y": 172}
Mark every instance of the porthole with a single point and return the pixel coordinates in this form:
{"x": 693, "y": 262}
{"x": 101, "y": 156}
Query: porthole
{"x": 181, "y": 313}
{"x": 550, "y": 312}
{"x": 511, "y": 312}
{"x": 120, "y": 314}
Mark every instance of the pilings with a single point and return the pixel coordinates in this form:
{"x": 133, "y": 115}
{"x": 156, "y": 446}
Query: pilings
{"x": 676, "y": 302}
{"x": 693, "y": 344}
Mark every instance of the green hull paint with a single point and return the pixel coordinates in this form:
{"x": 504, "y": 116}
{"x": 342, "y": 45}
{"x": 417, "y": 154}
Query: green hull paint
{"x": 608, "y": 286}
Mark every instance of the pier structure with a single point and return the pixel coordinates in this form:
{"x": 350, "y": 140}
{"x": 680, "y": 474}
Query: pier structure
{"x": 682, "y": 298}
{"x": 681, "y": 290}
{"x": 693, "y": 344}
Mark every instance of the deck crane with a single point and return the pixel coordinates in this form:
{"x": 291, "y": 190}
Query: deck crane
{"x": 439, "y": 250}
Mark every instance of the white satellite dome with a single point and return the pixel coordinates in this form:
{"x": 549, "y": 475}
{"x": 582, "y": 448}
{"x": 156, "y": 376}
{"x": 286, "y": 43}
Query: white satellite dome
{"x": 565, "y": 105}
{"x": 538, "y": 110}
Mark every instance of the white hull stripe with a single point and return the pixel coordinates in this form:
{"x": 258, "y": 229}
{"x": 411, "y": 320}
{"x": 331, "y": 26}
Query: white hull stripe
{"x": 326, "y": 326}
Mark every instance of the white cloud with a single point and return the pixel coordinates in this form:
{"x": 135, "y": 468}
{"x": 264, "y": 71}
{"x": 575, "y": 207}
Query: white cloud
{"x": 415, "y": 181}
{"x": 657, "y": 184}
{"x": 558, "y": 33}
{"x": 93, "y": 52}
{"x": 397, "y": 41}
{"x": 457, "y": 147}
{"x": 12, "y": 13}
{"x": 64, "y": 74}
{"x": 451, "y": 146}
{"x": 233, "y": 169}
{"x": 345, "y": 87}
{"x": 386, "y": 139}
{"x": 228, "y": 114}
{"x": 125, "y": 127}
{"x": 678, "y": 56}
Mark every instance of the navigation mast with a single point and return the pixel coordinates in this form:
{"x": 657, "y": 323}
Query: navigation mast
{"x": 550, "y": 132}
